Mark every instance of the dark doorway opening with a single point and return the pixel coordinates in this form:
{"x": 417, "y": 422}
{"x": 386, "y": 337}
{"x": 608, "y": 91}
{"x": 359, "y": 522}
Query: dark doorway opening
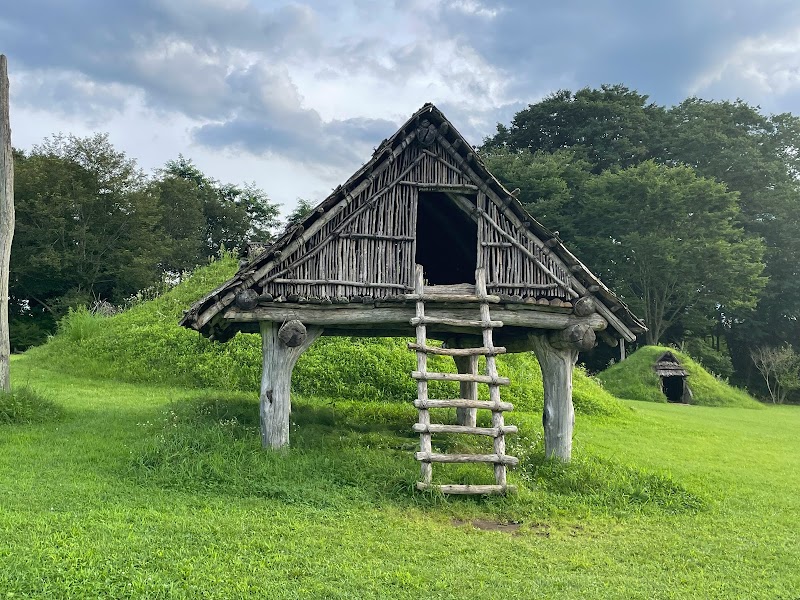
{"x": 447, "y": 240}
{"x": 673, "y": 388}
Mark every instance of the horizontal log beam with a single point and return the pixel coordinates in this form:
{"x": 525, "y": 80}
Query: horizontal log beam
{"x": 363, "y": 284}
{"x": 466, "y": 489}
{"x": 464, "y": 429}
{"x": 464, "y": 403}
{"x": 399, "y": 316}
{"x": 457, "y": 351}
{"x": 497, "y": 459}
{"x": 460, "y": 377}
{"x": 454, "y": 298}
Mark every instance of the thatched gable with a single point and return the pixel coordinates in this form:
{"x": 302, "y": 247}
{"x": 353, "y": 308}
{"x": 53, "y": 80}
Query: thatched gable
{"x": 424, "y": 196}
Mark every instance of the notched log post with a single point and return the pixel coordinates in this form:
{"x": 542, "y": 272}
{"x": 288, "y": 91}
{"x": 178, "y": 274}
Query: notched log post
{"x": 557, "y": 354}
{"x": 282, "y": 346}
{"x": 468, "y": 389}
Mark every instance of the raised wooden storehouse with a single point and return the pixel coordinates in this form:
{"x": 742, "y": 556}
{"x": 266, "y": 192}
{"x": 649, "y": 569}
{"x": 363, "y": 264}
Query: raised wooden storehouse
{"x": 673, "y": 378}
{"x": 423, "y": 241}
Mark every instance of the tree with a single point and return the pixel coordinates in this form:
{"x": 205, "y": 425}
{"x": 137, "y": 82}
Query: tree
{"x": 549, "y": 183}
{"x": 609, "y": 127}
{"x": 201, "y": 215}
{"x": 87, "y": 229}
{"x": 669, "y": 242}
{"x": 780, "y": 369}
{"x": 300, "y": 212}
{"x": 6, "y": 221}
{"x": 757, "y": 156}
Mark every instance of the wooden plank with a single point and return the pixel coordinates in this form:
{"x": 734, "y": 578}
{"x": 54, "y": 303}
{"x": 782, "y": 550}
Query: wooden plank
{"x": 463, "y": 429}
{"x": 467, "y": 489}
{"x": 463, "y": 403}
{"x": 441, "y": 351}
{"x": 459, "y": 377}
{"x": 466, "y": 458}
{"x": 456, "y": 322}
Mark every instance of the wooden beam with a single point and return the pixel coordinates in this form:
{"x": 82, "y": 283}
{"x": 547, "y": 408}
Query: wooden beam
{"x": 558, "y": 417}
{"x": 399, "y": 316}
{"x": 6, "y": 221}
{"x": 276, "y": 380}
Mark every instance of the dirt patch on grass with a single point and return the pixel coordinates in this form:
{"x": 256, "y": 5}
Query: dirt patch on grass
{"x": 489, "y": 525}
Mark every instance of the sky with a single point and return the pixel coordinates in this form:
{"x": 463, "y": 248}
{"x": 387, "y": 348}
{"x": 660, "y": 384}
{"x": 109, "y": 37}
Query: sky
{"x": 294, "y": 96}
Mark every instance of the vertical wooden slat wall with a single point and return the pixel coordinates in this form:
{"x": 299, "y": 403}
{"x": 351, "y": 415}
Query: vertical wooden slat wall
{"x": 372, "y": 240}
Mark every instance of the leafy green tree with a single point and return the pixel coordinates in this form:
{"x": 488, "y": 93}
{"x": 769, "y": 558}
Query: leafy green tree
{"x": 201, "y": 215}
{"x": 549, "y": 183}
{"x": 300, "y": 212}
{"x": 669, "y": 242}
{"x": 609, "y": 127}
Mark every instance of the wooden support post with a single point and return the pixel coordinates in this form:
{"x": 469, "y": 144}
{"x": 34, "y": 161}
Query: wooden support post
{"x": 622, "y": 349}
{"x": 6, "y": 221}
{"x": 558, "y": 417}
{"x": 469, "y": 390}
{"x": 276, "y": 378}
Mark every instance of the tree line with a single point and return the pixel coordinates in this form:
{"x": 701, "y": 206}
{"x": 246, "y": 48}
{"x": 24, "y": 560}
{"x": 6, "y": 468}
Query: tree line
{"x": 92, "y": 227}
{"x": 691, "y": 213}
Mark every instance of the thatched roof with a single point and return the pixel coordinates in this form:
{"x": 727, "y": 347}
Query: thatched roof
{"x": 203, "y": 315}
{"x": 669, "y": 366}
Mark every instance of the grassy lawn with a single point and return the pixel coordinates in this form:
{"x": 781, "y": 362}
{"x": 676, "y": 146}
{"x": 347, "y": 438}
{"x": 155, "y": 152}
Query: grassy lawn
{"x": 162, "y": 492}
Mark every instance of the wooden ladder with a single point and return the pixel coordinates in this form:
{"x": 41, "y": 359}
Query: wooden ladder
{"x": 425, "y": 428}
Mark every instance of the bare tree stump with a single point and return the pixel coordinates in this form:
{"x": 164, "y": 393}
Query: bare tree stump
{"x": 558, "y": 417}
{"x": 276, "y": 381}
{"x": 6, "y": 221}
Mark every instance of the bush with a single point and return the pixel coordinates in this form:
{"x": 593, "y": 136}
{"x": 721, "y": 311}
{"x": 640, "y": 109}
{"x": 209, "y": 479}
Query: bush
{"x": 25, "y": 405}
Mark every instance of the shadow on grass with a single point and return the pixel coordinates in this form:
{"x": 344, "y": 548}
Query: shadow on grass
{"x": 349, "y": 453}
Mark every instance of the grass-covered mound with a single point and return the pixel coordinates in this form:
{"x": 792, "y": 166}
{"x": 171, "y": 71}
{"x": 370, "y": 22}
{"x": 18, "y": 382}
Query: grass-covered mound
{"x": 145, "y": 344}
{"x": 634, "y": 378}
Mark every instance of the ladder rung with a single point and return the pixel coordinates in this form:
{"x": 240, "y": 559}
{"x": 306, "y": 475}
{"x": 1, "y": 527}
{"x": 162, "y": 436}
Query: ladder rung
{"x": 460, "y": 377}
{"x": 463, "y": 403}
{"x": 490, "y": 431}
{"x": 455, "y": 322}
{"x": 498, "y": 459}
{"x": 483, "y": 351}
{"x": 468, "y": 489}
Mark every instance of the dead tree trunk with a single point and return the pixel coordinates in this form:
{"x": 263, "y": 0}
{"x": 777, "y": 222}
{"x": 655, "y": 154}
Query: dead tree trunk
{"x": 282, "y": 346}
{"x": 6, "y": 220}
{"x": 558, "y": 417}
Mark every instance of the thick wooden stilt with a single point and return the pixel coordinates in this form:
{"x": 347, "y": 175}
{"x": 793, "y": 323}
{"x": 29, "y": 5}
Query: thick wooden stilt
{"x": 558, "y": 417}
{"x": 276, "y": 378}
{"x": 469, "y": 390}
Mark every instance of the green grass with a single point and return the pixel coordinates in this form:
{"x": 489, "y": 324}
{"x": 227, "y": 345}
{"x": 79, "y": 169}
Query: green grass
{"x": 145, "y": 344}
{"x": 163, "y": 492}
{"x": 24, "y": 405}
{"x": 634, "y": 378}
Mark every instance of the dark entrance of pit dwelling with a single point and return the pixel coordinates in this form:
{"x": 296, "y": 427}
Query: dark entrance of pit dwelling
{"x": 673, "y": 378}
{"x": 447, "y": 240}
{"x": 673, "y": 388}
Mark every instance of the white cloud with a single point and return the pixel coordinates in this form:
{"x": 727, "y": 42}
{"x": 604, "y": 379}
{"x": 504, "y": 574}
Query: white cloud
{"x": 766, "y": 65}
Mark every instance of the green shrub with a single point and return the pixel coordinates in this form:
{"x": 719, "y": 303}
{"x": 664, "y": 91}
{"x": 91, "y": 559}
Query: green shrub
{"x": 25, "y": 405}
{"x": 634, "y": 378}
